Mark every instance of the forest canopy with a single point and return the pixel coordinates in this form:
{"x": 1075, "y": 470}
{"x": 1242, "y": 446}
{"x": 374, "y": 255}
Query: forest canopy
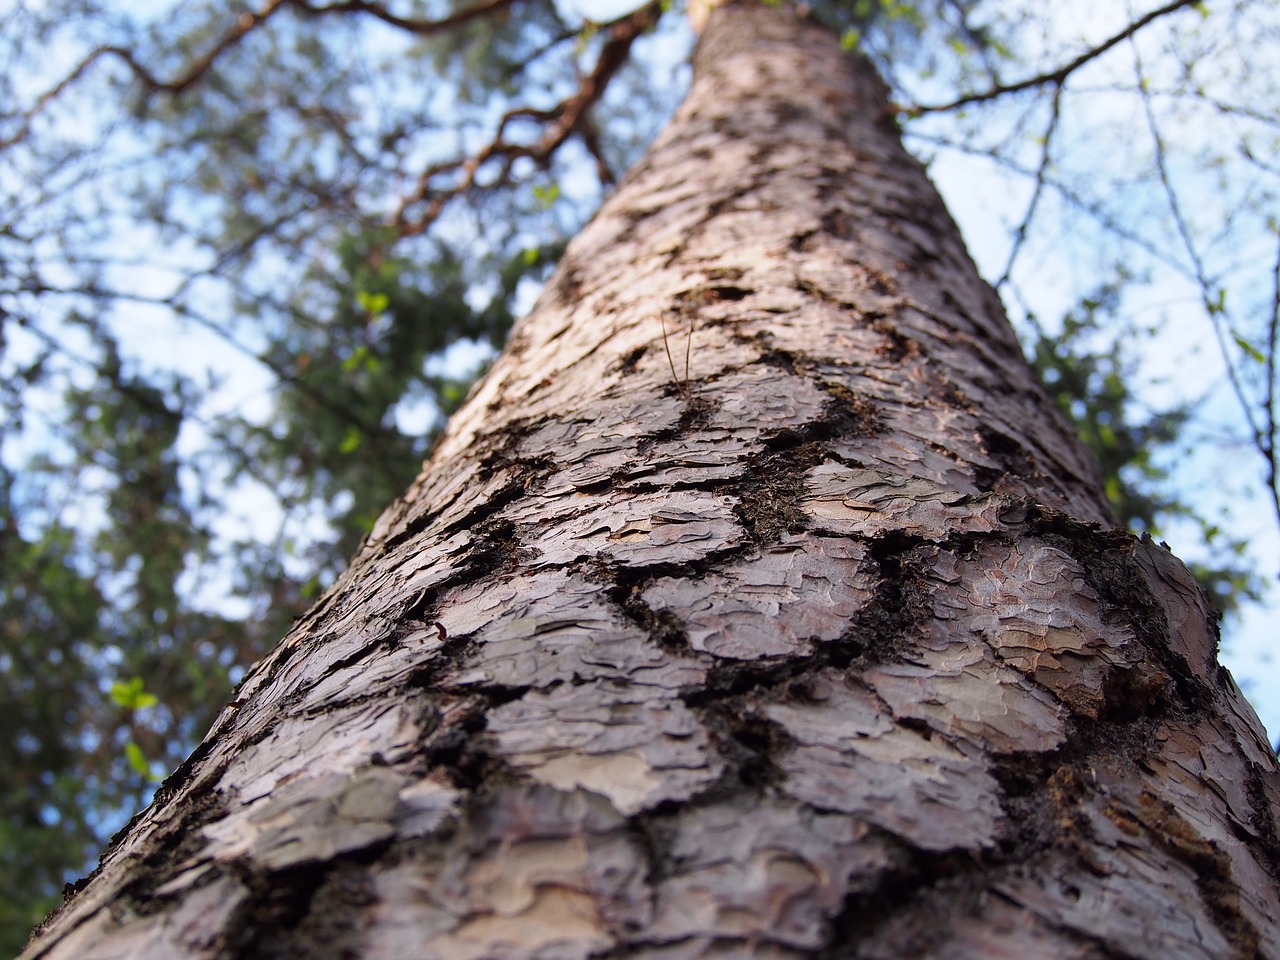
{"x": 253, "y": 254}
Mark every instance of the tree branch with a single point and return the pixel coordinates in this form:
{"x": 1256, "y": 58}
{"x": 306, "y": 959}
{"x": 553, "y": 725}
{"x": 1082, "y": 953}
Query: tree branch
{"x": 1057, "y": 77}
{"x": 1273, "y": 331}
{"x": 1214, "y": 308}
{"x": 412, "y": 25}
{"x": 244, "y": 24}
{"x": 1075, "y": 199}
{"x": 247, "y": 21}
{"x": 1042, "y": 171}
{"x": 561, "y": 121}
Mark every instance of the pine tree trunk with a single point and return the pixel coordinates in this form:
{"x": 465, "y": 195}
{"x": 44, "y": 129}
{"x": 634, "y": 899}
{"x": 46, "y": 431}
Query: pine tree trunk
{"x": 758, "y": 604}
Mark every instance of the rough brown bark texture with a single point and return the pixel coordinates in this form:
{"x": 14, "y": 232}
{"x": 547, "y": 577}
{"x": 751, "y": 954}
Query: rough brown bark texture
{"x": 826, "y": 652}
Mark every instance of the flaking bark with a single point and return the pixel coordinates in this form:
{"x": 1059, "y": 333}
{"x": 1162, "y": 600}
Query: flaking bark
{"x": 829, "y": 652}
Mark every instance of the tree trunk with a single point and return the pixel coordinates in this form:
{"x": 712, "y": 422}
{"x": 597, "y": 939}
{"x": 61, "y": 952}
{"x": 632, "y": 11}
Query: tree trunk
{"x": 758, "y": 604}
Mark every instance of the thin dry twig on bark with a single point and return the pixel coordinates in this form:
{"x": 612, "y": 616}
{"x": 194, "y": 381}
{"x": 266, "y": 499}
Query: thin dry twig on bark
{"x": 681, "y": 388}
{"x": 688, "y": 349}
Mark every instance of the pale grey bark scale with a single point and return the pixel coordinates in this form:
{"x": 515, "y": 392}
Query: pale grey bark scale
{"x": 834, "y": 660}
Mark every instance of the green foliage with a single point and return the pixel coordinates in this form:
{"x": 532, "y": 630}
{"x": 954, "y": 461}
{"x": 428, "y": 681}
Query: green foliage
{"x": 488, "y": 56}
{"x": 931, "y": 34}
{"x": 359, "y": 353}
{"x": 1091, "y": 375}
{"x": 546, "y": 195}
{"x": 130, "y": 695}
{"x": 52, "y": 705}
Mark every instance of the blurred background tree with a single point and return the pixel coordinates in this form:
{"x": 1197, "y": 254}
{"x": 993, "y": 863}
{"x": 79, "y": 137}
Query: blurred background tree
{"x": 252, "y": 255}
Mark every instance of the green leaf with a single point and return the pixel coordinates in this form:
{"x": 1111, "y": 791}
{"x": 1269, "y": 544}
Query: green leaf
{"x": 130, "y": 694}
{"x": 137, "y": 759}
{"x": 546, "y": 195}
{"x": 849, "y": 39}
{"x": 351, "y": 440}
{"x": 373, "y": 303}
{"x": 356, "y": 359}
{"x": 123, "y": 691}
{"x": 1253, "y": 352}
{"x": 1218, "y": 306}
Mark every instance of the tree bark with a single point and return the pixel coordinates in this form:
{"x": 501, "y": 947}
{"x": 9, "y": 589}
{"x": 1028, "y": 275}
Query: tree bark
{"x": 824, "y": 648}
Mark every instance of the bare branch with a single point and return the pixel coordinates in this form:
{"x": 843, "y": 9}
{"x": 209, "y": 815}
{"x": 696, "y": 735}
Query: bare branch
{"x": 561, "y": 121}
{"x": 1212, "y": 305}
{"x": 1273, "y": 332}
{"x": 244, "y": 24}
{"x": 1020, "y": 235}
{"x": 973, "y": 36}
{"x": 412, "y": 25}
{"x": 591, "y": 140}
{"x": 1056, "y": 77}
{"x": 1093, "y": 208}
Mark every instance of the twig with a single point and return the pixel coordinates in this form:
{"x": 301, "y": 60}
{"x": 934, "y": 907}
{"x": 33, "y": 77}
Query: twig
{"x": 675, "y": 378}
{"x": 414, "y": 25}
{"x": 1272, "y": 333}
{"x": 1020, "y": 235}
{"x": 1058, "y": 76}
{"x": 688, "y": 348}
{"x": 244, "y": 24}
{"x": 561, "y": 121}
{"x": 1218, "y": 322}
